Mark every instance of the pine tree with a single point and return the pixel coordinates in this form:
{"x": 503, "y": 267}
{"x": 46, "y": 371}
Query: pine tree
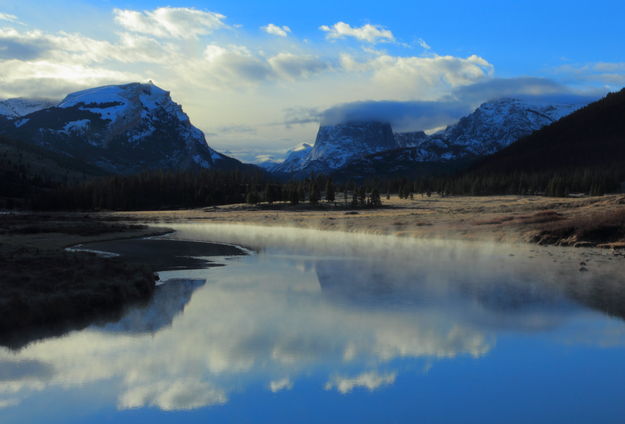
{"x": 315, "y": 193}
{"x": 330, "y": 191}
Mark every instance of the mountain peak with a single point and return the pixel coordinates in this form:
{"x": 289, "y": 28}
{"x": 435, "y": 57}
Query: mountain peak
{"x": 123, "y": 128}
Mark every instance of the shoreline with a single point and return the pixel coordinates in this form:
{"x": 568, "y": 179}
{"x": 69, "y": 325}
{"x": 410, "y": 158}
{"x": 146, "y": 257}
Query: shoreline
{"x": 579, "y": 222}
{"x": 38, "y": 267}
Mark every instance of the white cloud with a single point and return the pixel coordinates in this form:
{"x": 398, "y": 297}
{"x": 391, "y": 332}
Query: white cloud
{"x": 611, "y": 74}
{"x": 43, "y": 78}
{"x": 170, "y": 22}
{"x": 221, "y": 83}
{"x": 423, "y": 44}
{"x": 413, "y": 77}
{"x": 9, "y": 18}
{"x": 370, "y": 380}
{"x": 280, "y": 31}
{"x": 282, "y": 384}
{"x": 368, "y": 32}
{"x": 232, "y": 66}
{"x": 173, "y": 396}
{"x": 297, "y": 66}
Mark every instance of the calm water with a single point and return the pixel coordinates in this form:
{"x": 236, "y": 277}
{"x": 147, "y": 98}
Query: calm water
{"x": 315, "y": 327}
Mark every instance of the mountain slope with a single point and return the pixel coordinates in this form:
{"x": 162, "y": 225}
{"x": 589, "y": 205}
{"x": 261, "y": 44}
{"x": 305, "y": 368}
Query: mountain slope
{"x": 592, "y": 137}
{"x": 337, "y": 145}
{"x": 14, "y": 108}
{"x": 294, "y": 160}
{"x": 120, "y": 128}
{"x": 27, "y": 169}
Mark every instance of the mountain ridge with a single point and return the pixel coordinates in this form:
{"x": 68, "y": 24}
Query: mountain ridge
{"x": 491, "y": 127}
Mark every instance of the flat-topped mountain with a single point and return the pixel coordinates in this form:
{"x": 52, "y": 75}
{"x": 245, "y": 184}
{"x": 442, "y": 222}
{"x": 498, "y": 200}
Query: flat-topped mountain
{"x": 120, "y": 128}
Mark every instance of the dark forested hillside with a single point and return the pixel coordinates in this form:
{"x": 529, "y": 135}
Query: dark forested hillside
{"x": 591, "y": 138}
{"x": 26, "y": 169}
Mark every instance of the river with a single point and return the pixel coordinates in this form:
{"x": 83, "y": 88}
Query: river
{"x": 315, "y": 326}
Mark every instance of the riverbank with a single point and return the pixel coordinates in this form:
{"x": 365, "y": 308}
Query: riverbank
{"x": 45, "y": 289}
{"x": 586, "y": 221}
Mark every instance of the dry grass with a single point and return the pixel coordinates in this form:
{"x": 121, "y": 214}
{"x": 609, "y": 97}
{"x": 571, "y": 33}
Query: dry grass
{"x": 600, "y": 228}
{"x": 494, "y": 218}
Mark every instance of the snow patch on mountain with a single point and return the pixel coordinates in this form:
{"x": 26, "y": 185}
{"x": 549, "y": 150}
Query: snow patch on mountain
{"x": 77, "y": 126}
{"x": 18, "y": 107}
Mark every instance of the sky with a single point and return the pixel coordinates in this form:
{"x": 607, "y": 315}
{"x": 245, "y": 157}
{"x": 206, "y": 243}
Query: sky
{"x": 259, "y": 77}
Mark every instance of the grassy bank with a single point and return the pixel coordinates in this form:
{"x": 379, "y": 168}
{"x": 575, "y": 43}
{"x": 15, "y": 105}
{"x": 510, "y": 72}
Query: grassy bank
{"x": 45, "y": 290}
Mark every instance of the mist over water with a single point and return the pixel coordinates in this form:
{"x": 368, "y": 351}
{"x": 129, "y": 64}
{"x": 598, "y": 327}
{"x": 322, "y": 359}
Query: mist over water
{"x": 366, "y": 328}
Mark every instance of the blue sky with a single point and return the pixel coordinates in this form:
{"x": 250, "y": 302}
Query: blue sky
{"x": 258, "y": 75}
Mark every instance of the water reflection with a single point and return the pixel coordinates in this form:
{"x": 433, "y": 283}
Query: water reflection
{"x": 342, "y": 318}
{"x": 169, "y": 300}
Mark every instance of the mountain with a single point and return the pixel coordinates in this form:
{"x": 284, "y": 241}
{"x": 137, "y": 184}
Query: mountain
{"x": 15, "y": 108}
{"x": 122, "y": 129}
{"x": 590, "y": 138}
{"x": 337, "y": 145}
{"x": 491, "y": 127}
{"x": 366, "y": 149}
{"x": 294, "y": 160}
{"x": 410, "y": 139}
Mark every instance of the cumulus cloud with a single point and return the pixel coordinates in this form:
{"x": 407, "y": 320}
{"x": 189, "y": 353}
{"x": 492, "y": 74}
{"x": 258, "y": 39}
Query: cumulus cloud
{"x": 76, "y": 48}
{"x": 23, "y": 46}
{"x": 45, "y": 78}
{"x": 297, "y": 66}
{"x": 419, "y": 77}
{"x": 370, "y": 380}
{"x": 173, "y": 396}
{"x": 369, "y": 33}
{"x": 237, "y": 66}
{"x": 280, "y": 31}
{"x": 281, "y": 384}
{"x": 233, "y": 66}
{"x": 170, "y": 22}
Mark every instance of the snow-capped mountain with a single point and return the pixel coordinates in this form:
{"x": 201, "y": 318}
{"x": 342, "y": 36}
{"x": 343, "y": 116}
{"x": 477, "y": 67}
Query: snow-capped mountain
{"x": 122, "y": 129}
{"x": 491, "y": 127}
{"x": 15, "y": 108}
{"x": 337, "y": 145}
{"x": 294, "y": 160}
{"x": 497, "y": 124}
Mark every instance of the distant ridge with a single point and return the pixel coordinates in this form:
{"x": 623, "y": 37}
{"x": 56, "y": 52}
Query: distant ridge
{"x": 592, "y": 137}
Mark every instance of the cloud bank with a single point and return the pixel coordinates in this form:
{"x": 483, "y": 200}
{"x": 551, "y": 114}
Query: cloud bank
{"x": 425, "y": 115}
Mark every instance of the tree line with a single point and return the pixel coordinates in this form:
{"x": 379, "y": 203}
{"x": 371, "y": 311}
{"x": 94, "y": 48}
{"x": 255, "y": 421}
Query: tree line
{"x": 593, "y": 182}
{"x": 172, "y": 190}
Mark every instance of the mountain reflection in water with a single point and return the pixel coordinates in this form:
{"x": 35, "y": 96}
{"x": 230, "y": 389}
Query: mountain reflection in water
{"x": 324, "y": 322}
